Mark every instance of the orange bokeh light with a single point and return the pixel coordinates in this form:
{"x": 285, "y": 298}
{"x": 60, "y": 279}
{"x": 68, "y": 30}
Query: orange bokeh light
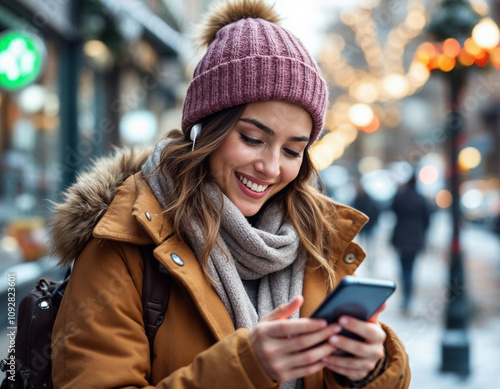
{"x": 372, "y": 127}
{"x": 445, "y": 63}
{"x": 425, "y": 53}
{"x": 482, "y": 59}
{"x": 451, "y": 47}
{"x": 433, "y": 64}
{"x": 472, "y": 48}
{"x": 427, "y": 48}
{"x": 495, "y": 57}
{"x": 422, "y": 57}
{"x": 465, "y": 58}
{"x": 444, "y": 199}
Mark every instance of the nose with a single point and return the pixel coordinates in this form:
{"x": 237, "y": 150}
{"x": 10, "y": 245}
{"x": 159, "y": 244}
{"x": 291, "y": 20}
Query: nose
{"x": 268, "y": 163}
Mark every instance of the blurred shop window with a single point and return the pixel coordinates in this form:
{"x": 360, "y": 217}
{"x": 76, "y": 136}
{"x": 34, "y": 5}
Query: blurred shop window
{"x": 30, "y": 236}
{"x": 89, "y": 143}
{"x": 138, "y": 109}
{"x": 138, "y": 128}
{"x": 29, "y": 163}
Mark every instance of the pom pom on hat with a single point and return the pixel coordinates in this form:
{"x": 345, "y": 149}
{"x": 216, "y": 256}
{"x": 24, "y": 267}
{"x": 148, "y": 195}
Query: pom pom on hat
{"x": 251, "y": 58}
{"x": 223, "y": 13}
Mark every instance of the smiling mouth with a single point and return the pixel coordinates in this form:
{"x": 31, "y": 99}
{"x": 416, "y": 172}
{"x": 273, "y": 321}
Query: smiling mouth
{"x": 252, "y": 185}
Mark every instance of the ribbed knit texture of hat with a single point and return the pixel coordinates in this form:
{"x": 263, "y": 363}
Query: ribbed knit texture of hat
{"x": 254, "y": 60}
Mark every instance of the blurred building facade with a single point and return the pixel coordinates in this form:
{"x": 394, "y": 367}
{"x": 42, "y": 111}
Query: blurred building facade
{"x": 114, "y": 73}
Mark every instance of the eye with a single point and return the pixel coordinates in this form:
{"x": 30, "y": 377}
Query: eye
{"x": 292, "y": 153}
{"x": 250, "y": 141}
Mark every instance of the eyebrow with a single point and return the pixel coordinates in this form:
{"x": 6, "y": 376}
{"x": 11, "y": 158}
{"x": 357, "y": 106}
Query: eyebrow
{"x": 268, "y": 131}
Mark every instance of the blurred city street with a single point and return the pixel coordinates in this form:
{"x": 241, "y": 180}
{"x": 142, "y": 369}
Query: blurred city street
{"x": 413, "y": 97}
{"x": 422, "y": 329}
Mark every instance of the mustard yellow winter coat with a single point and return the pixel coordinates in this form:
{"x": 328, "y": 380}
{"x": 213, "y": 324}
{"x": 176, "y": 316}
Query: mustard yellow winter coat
{"x": 99, "y": 339}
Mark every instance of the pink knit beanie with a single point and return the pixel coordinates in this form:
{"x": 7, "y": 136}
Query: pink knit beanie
{"x": 250, "y": 58}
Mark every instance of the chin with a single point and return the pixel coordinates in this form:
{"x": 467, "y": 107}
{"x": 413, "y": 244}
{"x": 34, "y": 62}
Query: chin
{"x": 249, "y": 211}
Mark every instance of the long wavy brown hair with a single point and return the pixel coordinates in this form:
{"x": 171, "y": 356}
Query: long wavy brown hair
{"x": 311, "y": 212}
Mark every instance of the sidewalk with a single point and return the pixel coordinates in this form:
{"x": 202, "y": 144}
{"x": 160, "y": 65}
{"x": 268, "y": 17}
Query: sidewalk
{"x": 422, "y": 330}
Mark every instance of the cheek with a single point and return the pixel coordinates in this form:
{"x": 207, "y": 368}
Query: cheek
{"x": 218, "y": 167}
{"x": 291, "y": 171}
{"x": 236, "y": 155}
{"x": 223, "y": 161}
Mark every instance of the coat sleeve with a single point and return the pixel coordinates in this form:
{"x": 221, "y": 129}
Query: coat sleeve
{"x": 397, "y": 374}
{"x": 98, "y": 340}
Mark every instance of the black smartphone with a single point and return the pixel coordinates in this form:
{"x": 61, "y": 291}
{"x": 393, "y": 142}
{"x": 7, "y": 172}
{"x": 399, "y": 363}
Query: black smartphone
{"x": 357, "y": 297}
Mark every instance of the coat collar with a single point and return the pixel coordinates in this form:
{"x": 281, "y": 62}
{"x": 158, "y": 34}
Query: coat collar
{"x": 146, "y": 225}
{"x": 134, "y": 216}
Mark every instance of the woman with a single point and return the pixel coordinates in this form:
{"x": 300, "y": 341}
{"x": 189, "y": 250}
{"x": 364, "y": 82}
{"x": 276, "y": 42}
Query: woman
{"x": 250, "y": 247}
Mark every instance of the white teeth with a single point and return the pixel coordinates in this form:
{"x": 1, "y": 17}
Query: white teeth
{"x": 253, "y": 186}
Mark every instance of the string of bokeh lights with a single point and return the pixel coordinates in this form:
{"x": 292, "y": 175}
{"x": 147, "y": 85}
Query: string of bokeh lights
{"x": 371, "y": 95}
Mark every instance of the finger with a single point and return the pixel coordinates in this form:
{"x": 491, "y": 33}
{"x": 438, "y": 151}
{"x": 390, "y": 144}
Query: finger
{"x": 309, "y": 357}
{"x": 295, "y": 327}
{"x": 284, "y": 311}
{"x": 370, "y": 332}
{"x": 353, "y": 368}
{"x": 302, "y": 364}
{"x": 354, "y": 347}
{"x": 374, "y": 317}
{"x": 308, "y": 341}
{"x": 358, "y": 348}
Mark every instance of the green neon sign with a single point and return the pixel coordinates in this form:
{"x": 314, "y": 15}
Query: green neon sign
{"x": 22, "y": 57}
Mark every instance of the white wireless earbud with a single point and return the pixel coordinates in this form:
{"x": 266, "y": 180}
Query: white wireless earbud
{"x": 195, "y": 131}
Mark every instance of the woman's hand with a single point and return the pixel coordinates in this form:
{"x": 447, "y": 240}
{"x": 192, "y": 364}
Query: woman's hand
{"x": 365, "y": 354}
{"x": 291, "y": 348}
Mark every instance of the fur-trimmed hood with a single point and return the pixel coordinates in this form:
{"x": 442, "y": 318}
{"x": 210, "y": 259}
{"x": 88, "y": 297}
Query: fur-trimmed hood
{"x": 86, "y": 201}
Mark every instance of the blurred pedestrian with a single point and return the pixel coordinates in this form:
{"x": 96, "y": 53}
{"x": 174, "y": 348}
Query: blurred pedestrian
{"x": 365, "y": 203}
{"x": 496, "y": 224}
{"x": 409, "y": 236}
{"x": 251, "y": 247}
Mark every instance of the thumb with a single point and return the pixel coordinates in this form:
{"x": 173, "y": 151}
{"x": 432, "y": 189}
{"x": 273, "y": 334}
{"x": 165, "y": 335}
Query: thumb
{"x": 285, "y": 310}
{"x": 374, "y": 317}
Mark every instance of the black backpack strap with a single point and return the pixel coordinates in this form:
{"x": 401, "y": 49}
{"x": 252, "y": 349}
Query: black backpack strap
{"x": 155, "y": 293}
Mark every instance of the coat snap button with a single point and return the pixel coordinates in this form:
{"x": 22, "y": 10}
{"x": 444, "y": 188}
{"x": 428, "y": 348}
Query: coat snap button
{"x": 178, "y": 260}
{"x": 349, "y": 258}
{"x": 148, "y": 216}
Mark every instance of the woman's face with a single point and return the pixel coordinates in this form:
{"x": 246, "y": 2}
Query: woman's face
{"x": 262, "y": 153}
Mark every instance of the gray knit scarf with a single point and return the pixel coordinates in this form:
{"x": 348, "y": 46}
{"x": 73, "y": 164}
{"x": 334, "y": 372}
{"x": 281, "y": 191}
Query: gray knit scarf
{"x": 268, "y": 252}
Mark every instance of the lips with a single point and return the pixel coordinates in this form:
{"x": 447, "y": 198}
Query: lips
{"x": 258, "y": 188}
